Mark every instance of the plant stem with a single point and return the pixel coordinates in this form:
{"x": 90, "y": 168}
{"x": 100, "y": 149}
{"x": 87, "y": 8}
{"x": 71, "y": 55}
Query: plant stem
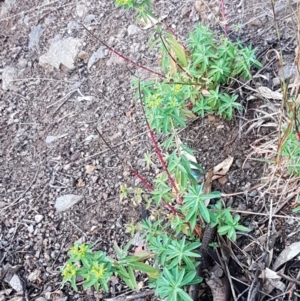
{"x": 223, "y": 16}
{"x": 111, "y": 49}
{"x": 145, "y": 182}
{"x": 157, "y": 150}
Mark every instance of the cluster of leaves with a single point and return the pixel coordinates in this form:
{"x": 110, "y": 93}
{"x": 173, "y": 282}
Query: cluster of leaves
{"x": 195, "y": 74}
{"x": 291, "y": 151}
{"x": 142, "y": 7}
{"x": 96, "y": 268}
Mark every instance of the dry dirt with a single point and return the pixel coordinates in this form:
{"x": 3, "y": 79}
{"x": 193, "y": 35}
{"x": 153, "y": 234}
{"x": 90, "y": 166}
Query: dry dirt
{"x": 49, "y": 116}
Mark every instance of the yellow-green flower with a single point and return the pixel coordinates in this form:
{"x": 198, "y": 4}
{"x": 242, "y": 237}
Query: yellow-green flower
{"x": 173, "y": 103}
{"x": 98, "y": 270}
{"x": 79, "y": 251}
{"x": 69, "y": 270}
{"x": 123, "y": 2}
{"x": 154, "y": 101}
{"x": 177, "y": 88}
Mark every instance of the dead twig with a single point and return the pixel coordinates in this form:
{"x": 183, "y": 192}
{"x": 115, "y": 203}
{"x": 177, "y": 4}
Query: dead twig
{"x": 133, "y": 297}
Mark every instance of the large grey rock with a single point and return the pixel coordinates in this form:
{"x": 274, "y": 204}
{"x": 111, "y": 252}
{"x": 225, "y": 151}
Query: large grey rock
{"x": 67, "y": 201}
{"x": 61, "y": 52}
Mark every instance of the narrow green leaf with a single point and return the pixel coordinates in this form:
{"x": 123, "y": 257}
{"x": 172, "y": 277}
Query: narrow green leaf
{"x": 179, "y": 51}
{"x": 224, "y": 230}
{"x": 204, "y": 212}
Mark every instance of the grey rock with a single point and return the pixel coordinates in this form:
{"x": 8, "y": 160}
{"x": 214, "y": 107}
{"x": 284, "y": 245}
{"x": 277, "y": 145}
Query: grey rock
{"x": 89, "y": 19}
{"x": 96, "y": 56}
{"x": 133, "y": 29}
{"x": 73, "y": 25}
{"x": 8, "y": 75}
{"x": 61, "y": 52}
{"x": 38, "y": 218}
{"x": 30, "y": 229}
{"x": 67, "y": 201}
{"x": 15, "y": 283}
{"x": 34, "y": 37}
{"x": 253, "y": 193}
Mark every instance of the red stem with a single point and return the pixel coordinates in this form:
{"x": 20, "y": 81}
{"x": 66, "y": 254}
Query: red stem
{"x": 162, "y": 161}
{"x": 223, "y": 15}
{"x": 121, "y": 55}
{"x": 157, "y": 150}
{"x": 146, "y": 183}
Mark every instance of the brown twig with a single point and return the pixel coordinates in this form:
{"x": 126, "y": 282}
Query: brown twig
{"x": 132, "y": 297}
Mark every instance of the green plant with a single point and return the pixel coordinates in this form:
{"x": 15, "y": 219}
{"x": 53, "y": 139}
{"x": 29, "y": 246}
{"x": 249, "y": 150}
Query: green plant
{"x": 171, "y": 282}
{"x": 148, "y": 160}
{"x": 96, "y": 268}
{"x": 297, "y": 209}
{"x": 194, "y": 78}
{"x": 142, "y": 7}
{"x": 193, "y": 83}
{"x": 291, "y": 152}
{"x": 225, "y": 222}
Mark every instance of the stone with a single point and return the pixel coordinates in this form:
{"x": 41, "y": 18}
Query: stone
{"x": 133, "y": 29}
{"x": 15, "y": 283}
{"x": 8, "y": 75}
{"x": 34, "y": 37}
{"x": 61, "y": 51}
{"x": 67, "y": 201}
{"x": 96, "y": 56}
{"x": 38, "y": 218}
{"x": 30, "y": 229}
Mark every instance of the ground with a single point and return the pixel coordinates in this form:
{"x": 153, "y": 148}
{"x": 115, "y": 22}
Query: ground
{"x": 52, "y": 106}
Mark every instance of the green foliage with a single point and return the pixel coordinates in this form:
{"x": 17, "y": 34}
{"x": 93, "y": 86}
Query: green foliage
{"x": 96, "y": 268}
{"x": 297, "y": 209}
{"x": 142, "y": 7}
{"x": 195, "y": 75}
{"x": 148, "y": 160}
{"x": 291, "y": 151}
{"x": 225, "y": 222}
{"x": 194, "y": 205}
{"x": 170, "y": 284}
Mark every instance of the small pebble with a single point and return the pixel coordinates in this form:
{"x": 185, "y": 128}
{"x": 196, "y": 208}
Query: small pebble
{"x": 38, "y": 218}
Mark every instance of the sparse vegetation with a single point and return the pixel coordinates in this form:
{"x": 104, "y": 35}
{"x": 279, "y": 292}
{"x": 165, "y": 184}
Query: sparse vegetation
{"x": 195, "y": 76}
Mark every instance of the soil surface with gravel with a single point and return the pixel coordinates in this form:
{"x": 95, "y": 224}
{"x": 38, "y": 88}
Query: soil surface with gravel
{"x": 60, "y": 87}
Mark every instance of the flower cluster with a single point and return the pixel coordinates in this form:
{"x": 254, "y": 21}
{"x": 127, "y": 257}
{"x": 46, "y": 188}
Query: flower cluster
{"x": 154, "y": 101}
{"x": 69, "y": 271}
{"x": 123, "y": 2}
{"x": 98, "y": 270}
{"x": 79, "y": 251}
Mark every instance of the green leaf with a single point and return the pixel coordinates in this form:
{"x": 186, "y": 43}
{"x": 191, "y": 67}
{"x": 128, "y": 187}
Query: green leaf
{"x": 178, "y": 49}
{"x": 144, "y": 268}
{"x": 73, "y": 283}
{"x": 224, "y": 229}
{"x": 232, "y": 234}
{"x": 89, "y": 283}
{"x": 241, "y": 228}
{"x": 204, "y": 212}
{"x": 184, "y": 296}
{"x": 297, "y": 209}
